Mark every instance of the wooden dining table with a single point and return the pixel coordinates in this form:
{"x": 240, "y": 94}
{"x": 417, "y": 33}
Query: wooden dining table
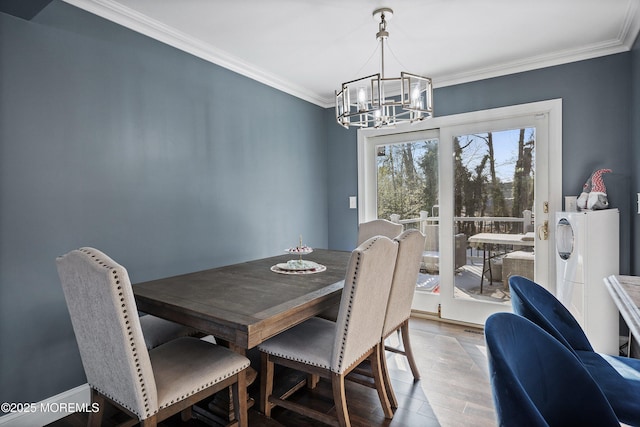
{"x": 245, "y": 304}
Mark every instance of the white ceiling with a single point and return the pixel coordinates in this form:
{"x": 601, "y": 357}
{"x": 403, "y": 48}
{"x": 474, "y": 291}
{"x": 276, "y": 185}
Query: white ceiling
{"x": 308, "y": 48}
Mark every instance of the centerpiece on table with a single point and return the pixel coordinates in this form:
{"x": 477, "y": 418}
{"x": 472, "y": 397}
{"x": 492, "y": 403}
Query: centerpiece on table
{"x": 298, "y": 266}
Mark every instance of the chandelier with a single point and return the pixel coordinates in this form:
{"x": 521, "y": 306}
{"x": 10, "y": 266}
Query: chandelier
{"x": 379, "y": 101}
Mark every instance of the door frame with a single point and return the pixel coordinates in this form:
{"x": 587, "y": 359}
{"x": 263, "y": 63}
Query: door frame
{"x": 550, "y": 157}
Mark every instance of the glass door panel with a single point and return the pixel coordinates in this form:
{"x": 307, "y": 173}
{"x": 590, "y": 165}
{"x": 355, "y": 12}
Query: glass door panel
{"x": 481, "y": 186}
{"x": 494, "y": 183}
{"x": 407, "y": 193}
{"x": 496, "y": 201}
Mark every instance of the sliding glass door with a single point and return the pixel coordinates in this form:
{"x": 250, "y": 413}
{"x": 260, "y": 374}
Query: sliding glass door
{"x": 478, "y": 187}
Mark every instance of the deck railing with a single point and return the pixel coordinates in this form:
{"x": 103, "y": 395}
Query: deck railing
{"x": 474, "y": 225}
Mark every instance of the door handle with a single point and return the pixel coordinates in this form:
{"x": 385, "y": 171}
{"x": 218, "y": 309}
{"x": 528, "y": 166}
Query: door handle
{"x": 543, "y": 231}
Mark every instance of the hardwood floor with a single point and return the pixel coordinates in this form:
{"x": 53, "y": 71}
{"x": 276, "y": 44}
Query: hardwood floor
{"x": 454, "y": 389}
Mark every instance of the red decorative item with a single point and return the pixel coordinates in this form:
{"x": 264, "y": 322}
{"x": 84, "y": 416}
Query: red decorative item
{"x": 594, "y": 192}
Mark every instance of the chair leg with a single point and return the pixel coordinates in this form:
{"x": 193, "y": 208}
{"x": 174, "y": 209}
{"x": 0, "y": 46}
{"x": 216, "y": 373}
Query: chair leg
{"x": 406, "y": 342}
{"x": 152, "y": 421}
{"x": 312, "y": 381}
{"x": 239, "y": 391}
{"x": 380, "y": 382}
{"x": 95, "y": 418}
{"x": 186, "y": 414}
{"x": 340, "y": 400}
{"x": 387, "y": 379}
{"x": 266, "y": 385}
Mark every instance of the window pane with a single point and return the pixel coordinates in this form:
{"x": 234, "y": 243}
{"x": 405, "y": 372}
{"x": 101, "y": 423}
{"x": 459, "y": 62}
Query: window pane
{"x": 407, "y": 192}
{"x": 407, "y": 178}
{"x": 494, "y": 190}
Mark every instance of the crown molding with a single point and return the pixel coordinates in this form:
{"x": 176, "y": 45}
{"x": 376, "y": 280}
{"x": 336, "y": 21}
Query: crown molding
{"x": 129, "y": 18}
{"x": 622, "y": 43}
{"x": 533, "y": 63}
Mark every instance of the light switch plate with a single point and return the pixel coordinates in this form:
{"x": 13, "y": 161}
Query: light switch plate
{"x": 353, "y": 202}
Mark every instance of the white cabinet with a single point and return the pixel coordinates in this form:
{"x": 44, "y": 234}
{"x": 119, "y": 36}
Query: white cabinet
{"x": 587, "y": 251}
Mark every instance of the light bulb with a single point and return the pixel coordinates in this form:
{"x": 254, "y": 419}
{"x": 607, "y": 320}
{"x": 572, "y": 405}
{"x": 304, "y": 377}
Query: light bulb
{"x": 362, "y": 99}
{"x": 415, "y": 95}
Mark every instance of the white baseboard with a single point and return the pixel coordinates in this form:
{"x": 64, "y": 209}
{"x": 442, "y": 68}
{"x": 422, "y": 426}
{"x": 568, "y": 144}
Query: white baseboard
{"x": 49, "y": 410}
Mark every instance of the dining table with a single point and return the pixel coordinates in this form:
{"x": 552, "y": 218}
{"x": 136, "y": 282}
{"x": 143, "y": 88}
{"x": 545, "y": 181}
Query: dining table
{"x": 244, "y": 304}
{"x": 247, "y": 303}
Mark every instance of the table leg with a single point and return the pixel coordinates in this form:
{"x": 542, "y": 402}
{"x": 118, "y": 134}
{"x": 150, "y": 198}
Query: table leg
{"x": 486, "y": 264}
{"x": 221, "y": 408}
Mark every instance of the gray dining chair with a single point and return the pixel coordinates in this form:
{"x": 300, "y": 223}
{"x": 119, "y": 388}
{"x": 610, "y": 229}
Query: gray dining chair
{"x": 147, "y": 385}
{"x": 398, "y": 311}
{"x": 378, "y": 227}
{"x": 403, "y": 287}
{"x": 157, "y": 331}
{"x": 367, "y": 230}
{"x": 331, "y": 350}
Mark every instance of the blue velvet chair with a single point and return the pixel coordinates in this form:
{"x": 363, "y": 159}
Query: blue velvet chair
{"x": 536, "y": 381}
{"x": 618, "y": 377}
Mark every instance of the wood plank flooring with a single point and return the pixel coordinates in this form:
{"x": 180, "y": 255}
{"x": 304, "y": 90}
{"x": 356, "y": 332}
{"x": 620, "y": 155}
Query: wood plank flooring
{"x": 454, "y": 389}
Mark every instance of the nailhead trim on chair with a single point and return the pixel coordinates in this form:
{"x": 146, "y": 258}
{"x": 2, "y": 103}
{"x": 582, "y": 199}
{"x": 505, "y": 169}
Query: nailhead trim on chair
{"x": 339, "y": 369}
{"x": 399, "y": 239}
{"x": 134, "y": 350}
{"x": 348, "y": 316}
{"x": 207, "y": 385}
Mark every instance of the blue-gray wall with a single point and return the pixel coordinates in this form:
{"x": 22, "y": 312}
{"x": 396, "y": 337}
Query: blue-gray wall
{"x": 343, "y": 182}
{"x": 166, "y": 162}
{"x": 171, "y": 164}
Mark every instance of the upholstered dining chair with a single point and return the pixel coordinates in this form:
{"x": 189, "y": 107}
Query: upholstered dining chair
{"x": 157, "y": 331}
{"x": 618, "y": 377}
{"x": 367, "y": 230}
{"x": 149, "y": 386}
{"x": 536, "y": 381}
{"x": 403, "y": 286}
{"x": 378, "y": 227}
{"x": 326, "y": 349}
